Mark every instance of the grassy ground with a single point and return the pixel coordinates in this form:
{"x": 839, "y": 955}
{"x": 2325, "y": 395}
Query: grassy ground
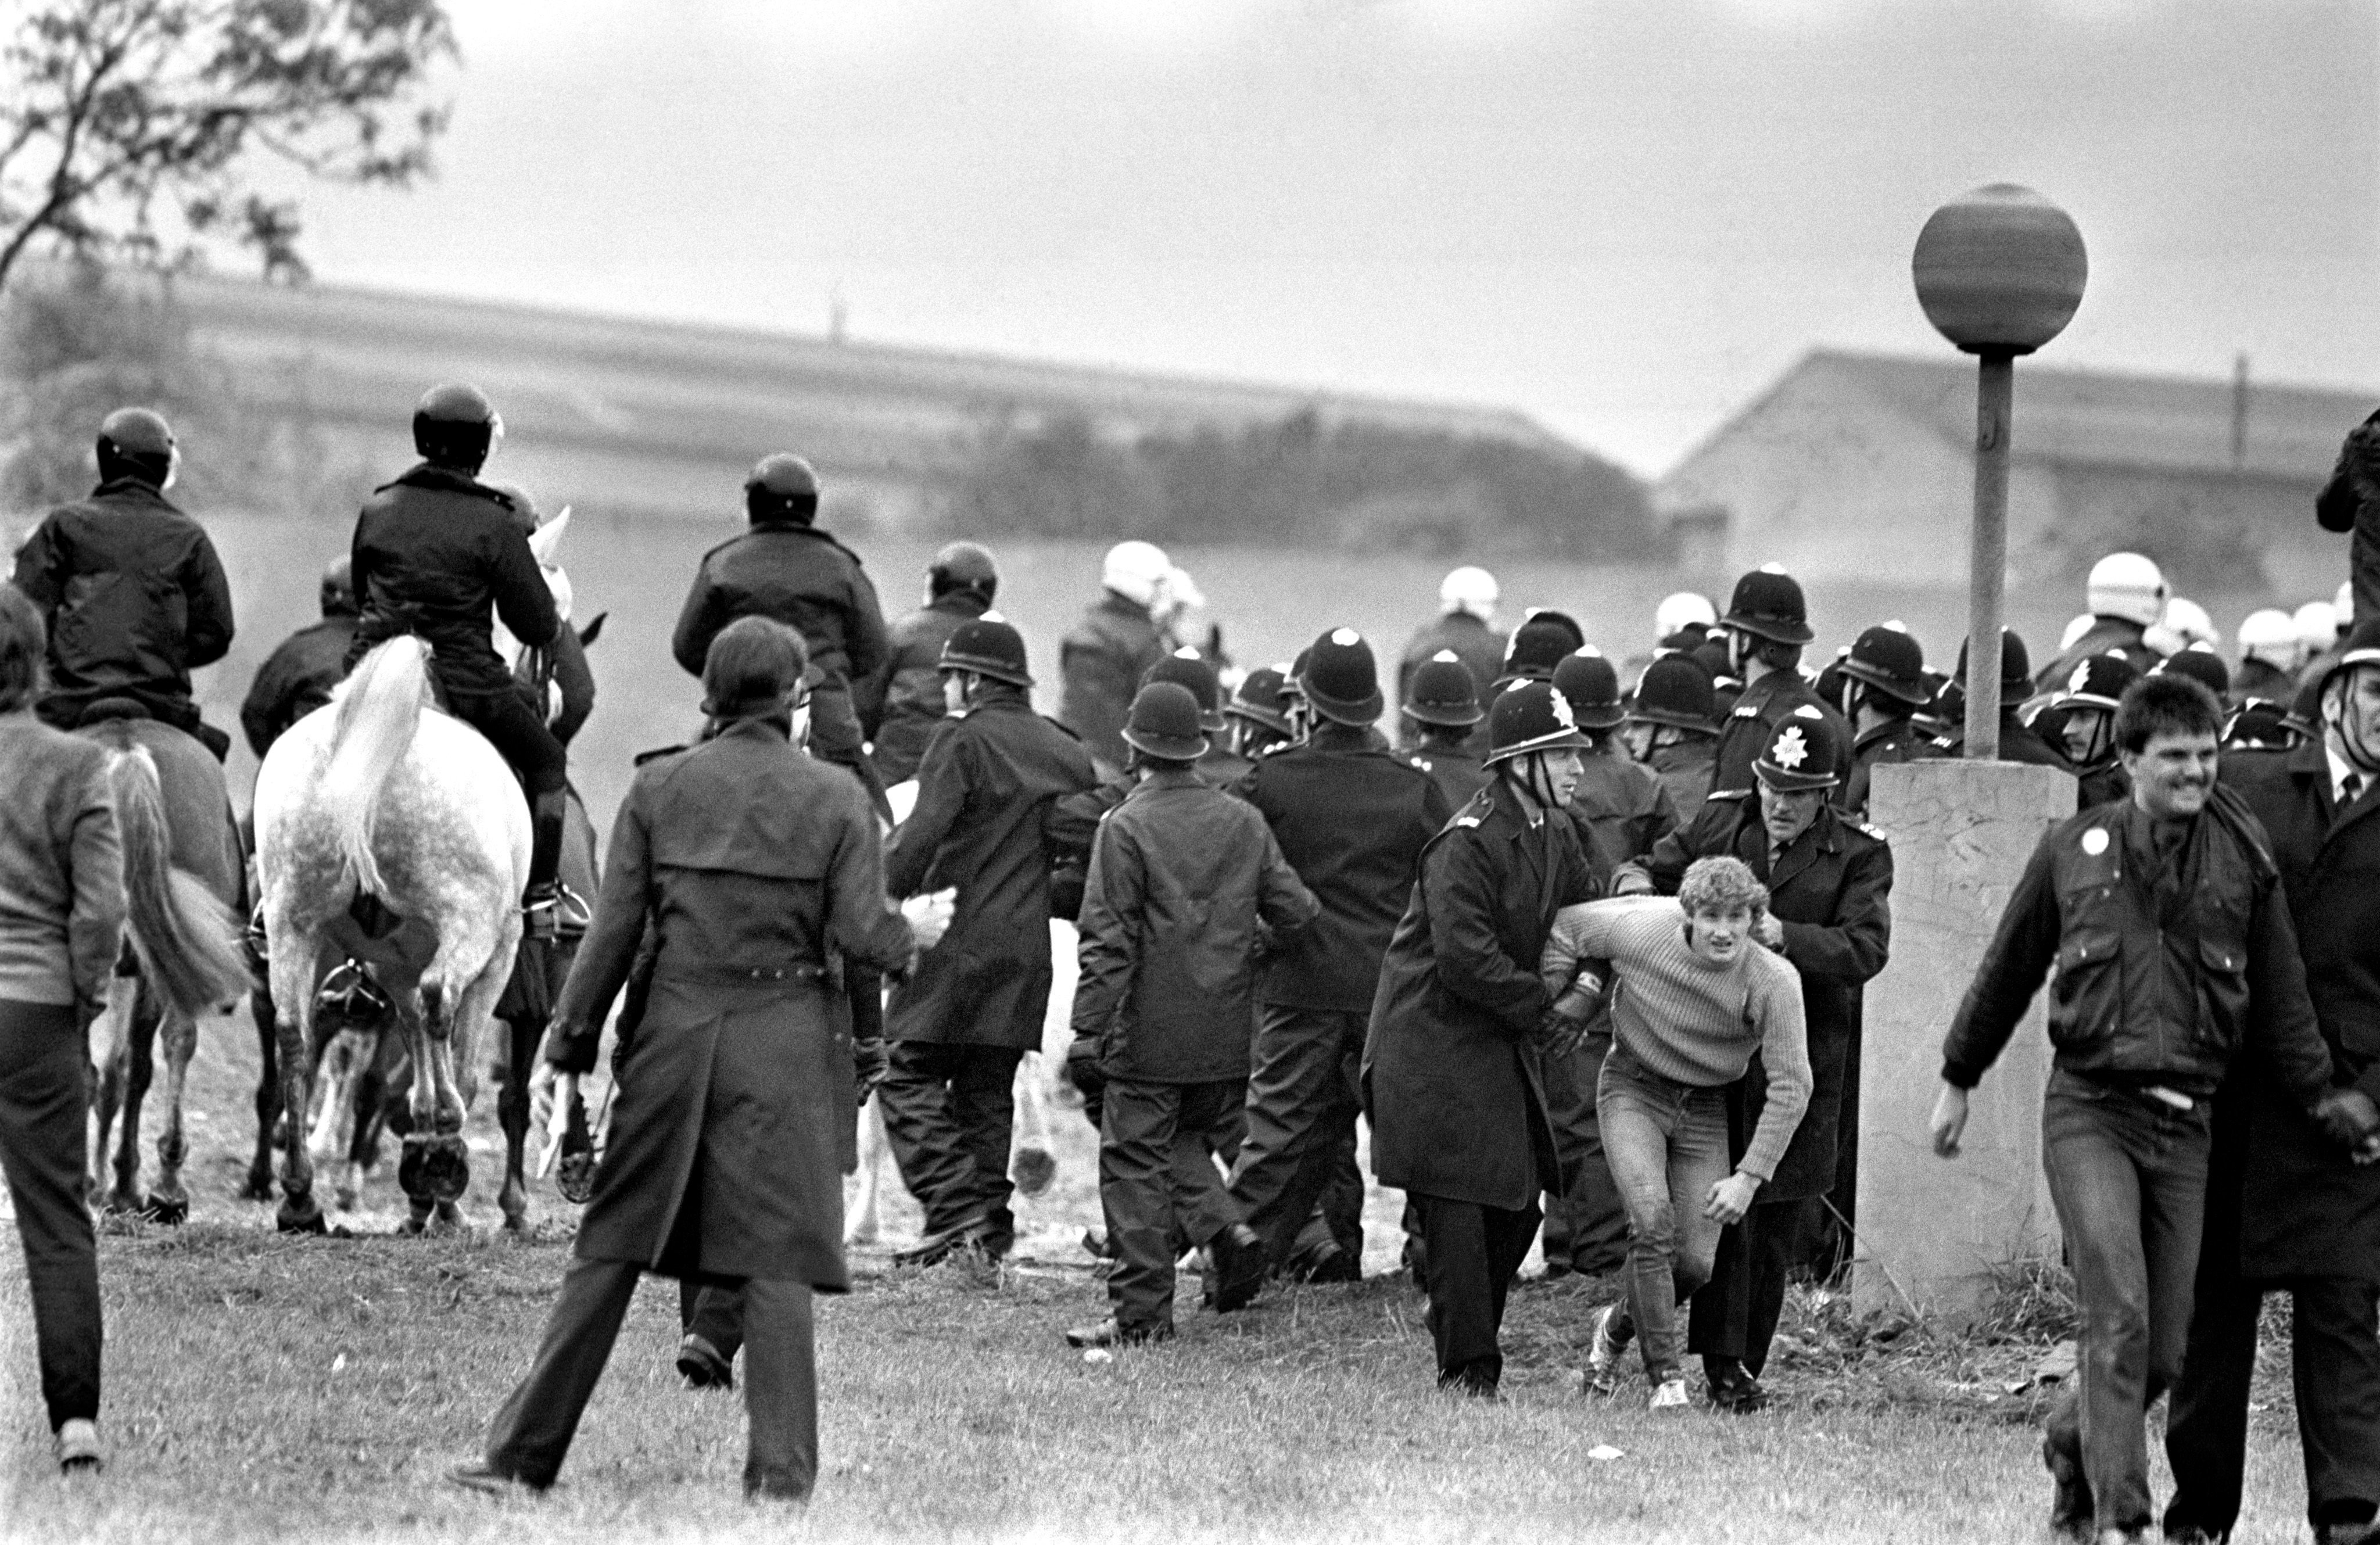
{"x": 261, "y": 1387}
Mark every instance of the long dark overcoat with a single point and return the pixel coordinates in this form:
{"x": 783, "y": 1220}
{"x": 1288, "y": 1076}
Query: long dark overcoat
{"x": 1831, "y": 890}
{"x": 725, "y": 1155}
{"x": 1452, "y": 1081}
{"x": 984, "y": 791}
{"x": 2305, "y": 1209}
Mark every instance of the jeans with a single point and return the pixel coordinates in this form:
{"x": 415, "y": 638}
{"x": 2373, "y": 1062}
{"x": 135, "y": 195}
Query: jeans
{"x": 2128, "y": 1174}
{"x": 1667, "y": 1144}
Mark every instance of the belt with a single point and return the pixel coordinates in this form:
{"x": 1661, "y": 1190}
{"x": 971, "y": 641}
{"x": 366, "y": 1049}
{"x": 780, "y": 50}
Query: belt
{"x": 735, "y": 976}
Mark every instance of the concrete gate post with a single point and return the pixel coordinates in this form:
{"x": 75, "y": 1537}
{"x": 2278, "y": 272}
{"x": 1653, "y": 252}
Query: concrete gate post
{"x": 1929, "y": 1227}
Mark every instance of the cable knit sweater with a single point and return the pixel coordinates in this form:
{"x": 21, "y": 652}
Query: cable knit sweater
{"x": 1688, "y": 1020}
{"x": 61, "y": 885}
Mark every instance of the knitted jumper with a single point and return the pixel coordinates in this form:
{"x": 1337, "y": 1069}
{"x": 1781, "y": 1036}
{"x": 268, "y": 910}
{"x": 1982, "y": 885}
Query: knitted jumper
{"x": 1689, "y": 1021}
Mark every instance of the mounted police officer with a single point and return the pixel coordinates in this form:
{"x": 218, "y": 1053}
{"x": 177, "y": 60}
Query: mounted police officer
{"x": 441, "y": 555}
{"x": 1671, "y": 727}
{"x": 1829, "y": 883}
{"x": 1885, "y": 682}
{"x": 1767, "y": 625}
{"x": 297, "y": 677}
{"x": 961, "y": 1024}
{"x": 130, "y": 587}
{"x": 905, "y": 703}
{"x": 1102, "y": 659}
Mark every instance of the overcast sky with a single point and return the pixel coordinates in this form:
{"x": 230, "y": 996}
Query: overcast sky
{"x": 1625, "y": 219}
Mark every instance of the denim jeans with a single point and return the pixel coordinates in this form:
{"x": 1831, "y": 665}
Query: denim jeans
{"x": 1666, "y": 1146}
{"x": 2129, "y": 1175}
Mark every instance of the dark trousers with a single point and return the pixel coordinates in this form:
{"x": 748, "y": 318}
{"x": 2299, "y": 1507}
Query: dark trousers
{"x": 949, "y": 1111}
{"x": 2128, "y": 1177}
{"x": 713, "y": 1311}
{"x": 1586, "y": 1229}
{"x": 1300, "y": 1146}
{"x": 1472, "y": 1254}
{"x": 532, "y": 1434}
{"x": 519, "y": 735}
{"x": 1735, "y": 1314}
{"x": 1159, "y": 1186}
{"x": 2334, "y": 1358}
{"x": 42, "y": 1054}
{"x": 835, "y": 736}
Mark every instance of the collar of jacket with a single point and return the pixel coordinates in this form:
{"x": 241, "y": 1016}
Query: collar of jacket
{"x": 959, "y": 604}
{"x": 760, "y": 726}
{"x": 1170, "y": 777}
{"x": 2310, "y": 758}
{"x": 1328, "y": 735}
{"x": 1889, "y": 727}
{"x": 446, "y": 479}
{"x": 997, "y": 695}
{"x": 135, "y": 489}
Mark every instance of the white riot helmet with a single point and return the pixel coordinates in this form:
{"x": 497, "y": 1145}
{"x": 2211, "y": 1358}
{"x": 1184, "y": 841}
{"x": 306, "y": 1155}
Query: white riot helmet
{"x": 2189, "y": 621}
{"x": 2344, "y": 605}
{"x": 1135, "y": 570}
{"x": 2271, "y": 635}
{"x": 1684, "y": 609}
{"x": 1179, "y": 593}
{"x": 2127, "y": 586}
{"x": 2317, "y": 626}
{"x": 2074, "y": 631}
{"x": 1468, "y": 589}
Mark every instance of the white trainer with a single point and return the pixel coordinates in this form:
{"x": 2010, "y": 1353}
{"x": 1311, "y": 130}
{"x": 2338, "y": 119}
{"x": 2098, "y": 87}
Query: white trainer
{"x": 1671, "y": 1396}
{"x": 79, "y": 1446}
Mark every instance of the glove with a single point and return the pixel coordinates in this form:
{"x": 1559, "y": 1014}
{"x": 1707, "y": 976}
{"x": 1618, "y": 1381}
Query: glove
{"x": 1564, "y": 1025}
{"x": 2348, "y": 1117}
{"x": 870, "y": 1062}
{"x": 929, "y": 917}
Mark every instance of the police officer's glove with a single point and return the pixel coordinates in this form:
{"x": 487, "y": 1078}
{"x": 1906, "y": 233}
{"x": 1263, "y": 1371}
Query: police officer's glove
{"x": 1083, "y": 1069}
{"x": 929, "y": 917}
{"x": 2349, "y": 1118}
{"x": 870, "y": 1062}
{"x": 1564, "y": 1025}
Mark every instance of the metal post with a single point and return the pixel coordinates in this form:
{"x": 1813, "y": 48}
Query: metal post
{"x": 1987, "y": 561}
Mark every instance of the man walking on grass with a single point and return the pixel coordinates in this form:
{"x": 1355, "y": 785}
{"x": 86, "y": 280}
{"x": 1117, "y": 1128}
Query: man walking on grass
{"x": 2165, "y": 916}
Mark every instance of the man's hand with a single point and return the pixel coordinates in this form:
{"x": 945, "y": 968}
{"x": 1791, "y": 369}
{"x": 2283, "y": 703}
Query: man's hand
{"x": 2350, "y": 1120}
{"x": 929, "y": 917}
{"x": 1949, "y": 1123}
{"x": 870, "y": 1061}
{"x": 560, "y": 1090}
{"x": 1731, "y": 1198}
{"x": 1564, "y": 1025}
{"x": 1769, "y": 931}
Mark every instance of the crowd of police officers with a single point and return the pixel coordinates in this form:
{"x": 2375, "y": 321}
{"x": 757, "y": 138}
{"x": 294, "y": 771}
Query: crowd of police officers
{"x": 1240, "y": 848}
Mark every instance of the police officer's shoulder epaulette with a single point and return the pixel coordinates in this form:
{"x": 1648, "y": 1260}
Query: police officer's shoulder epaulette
{"x": 1422, "y": 763}
{"x": 1476, "y": 808}
{"x": 1746, "y": 710}
{"x": 1866, "y": 829}
{"x": 658, "y": 752}
{"x": 1275, "y": 748}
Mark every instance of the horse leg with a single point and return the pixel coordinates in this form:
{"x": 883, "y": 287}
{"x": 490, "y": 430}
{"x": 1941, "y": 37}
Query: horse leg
{"x": 512, "y": 1112}
{"x": 178, "y": 1033}
{"x": 866, "y": 1219}
{"x": 268, "y": 1094}
{"x": 111, "y": 1037}
{"x": 293, "y": 965}
{"x": 421, "y": 1111}
{"x": 141, "y": 1067}
{"x": 379, "y": 1108}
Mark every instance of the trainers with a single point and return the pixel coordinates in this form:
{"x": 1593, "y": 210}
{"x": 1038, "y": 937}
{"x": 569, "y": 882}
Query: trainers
{"x": 78, "y": 1447}
{"x": 1669, "y": 1396}
{"x": 1603, "y": 1352}
{"x": 1108, "y": 1333}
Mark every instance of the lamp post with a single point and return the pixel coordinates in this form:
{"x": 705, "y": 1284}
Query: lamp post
{"x": 2000, "y": 273}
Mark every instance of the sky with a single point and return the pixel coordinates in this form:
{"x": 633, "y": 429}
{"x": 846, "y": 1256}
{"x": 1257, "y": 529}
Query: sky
{"x": 1622, "y": 219}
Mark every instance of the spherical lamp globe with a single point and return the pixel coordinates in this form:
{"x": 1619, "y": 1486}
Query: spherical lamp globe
{"x": 2000, "y": 271}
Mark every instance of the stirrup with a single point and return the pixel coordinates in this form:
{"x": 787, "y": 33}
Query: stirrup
{"x": 351, "y": 995}
{"x": 553, "y": 910}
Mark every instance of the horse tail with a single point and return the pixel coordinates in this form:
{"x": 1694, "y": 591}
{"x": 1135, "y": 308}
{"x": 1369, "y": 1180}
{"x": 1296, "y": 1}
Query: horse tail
{"x": 184, "y": 936}
{"x": 380, "y": 708}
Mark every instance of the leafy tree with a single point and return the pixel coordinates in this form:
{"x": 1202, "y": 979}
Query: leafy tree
{"x": 128, "y": 127}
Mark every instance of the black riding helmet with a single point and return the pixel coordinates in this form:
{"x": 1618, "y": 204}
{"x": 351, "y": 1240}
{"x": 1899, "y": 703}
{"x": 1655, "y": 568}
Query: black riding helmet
{"x": 455, "y": 425}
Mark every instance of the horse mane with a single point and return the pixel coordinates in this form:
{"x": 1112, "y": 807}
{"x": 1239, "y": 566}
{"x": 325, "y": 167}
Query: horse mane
{"x": 379, "y": 710}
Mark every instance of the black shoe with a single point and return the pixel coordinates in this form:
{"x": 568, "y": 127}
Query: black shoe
{"x": 939, "y": 1246}
{"x": 1471, "y": 1386}
{"x": 775, "y": 1489}
{"x": 483, "y": 1477}
{"x": 1740, "y": 1395}
{"x": 1335, "y": 1266}
{"x": 2071, "y": 1512}
{"x": 1239, "y": 1270}
{"x": 701, "y": 1366}
{"x": 1108, "y": 1333}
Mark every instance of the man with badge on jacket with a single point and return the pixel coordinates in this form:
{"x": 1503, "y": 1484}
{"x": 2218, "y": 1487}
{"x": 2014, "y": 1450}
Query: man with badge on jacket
{"x": 1452, "y": 1075}
{"x": 1830, "y": 915}
{"x": 733, "y": 1129}
{"x": 2165, "y": 917}
{"x": 2283, "y": 1208}
{"x": 130, "y": 587}
{"x": 959, "y": 1026}
{"x": 1767, "y": 625}
{"x": 1188, "y": 891}
{"x": 902, "y": 705}
{"x": 1352, "y": 817}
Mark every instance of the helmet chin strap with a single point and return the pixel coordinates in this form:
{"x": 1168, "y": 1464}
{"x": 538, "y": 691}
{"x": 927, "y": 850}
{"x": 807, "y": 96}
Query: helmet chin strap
{"x": 2354, "y": 733}
{"x": 1538, "y": 780}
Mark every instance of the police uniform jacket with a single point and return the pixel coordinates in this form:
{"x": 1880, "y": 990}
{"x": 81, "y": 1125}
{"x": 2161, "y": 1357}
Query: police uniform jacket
{"x": 1894, "y": 740}
{"x": 2019, "y": 742}
{"x": 797, "y": 575}
{"x": 732, "y": 1124}
{"x": 2166, "y": 970}
{"x": 2262, "y": 678}
{"x": 1685, "y": 768}
{"x": 1459, "y": 775}
{"x": 133, "y": 596}
{"x": 1352, "y": 817}
{"x": 984, "y": 792}
{"x": 440, "y": 554}
{"x": 1479, "y": 646}
{"x": 2306, "y": 1210}
{"x": 295, "y": 679}
{"x": 904, "y": 701}
{"x": 2106, "y": 636}
{"x": 1763, "y": 706}
{"x": 1452, "y": 1078}
{"x": 1100, "y": 666}
{"x": 1188, "y": 889}
{"x": 1831, "y": 891}
{"x": 1626, "y": 807}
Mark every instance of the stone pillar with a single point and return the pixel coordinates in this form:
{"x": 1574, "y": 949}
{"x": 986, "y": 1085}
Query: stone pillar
{"x": 1932, "y": 1228}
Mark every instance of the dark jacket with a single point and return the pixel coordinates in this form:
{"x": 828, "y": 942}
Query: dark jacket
{"x": 1352, "y": 817}
{"x": 2350, "y": 502}
{"x": 1451, "y": 1072}
{"x": 984, "y": 792}
{"x": 904, "y": 700}
{"x": 1831, "y": 890}
{"x": 295, "y": 679}
{"x": 133, "y": 596}
{"x": 1762, "y": 707}
{"x": 733, "y": 1123}
{"x": 2019, "y": 742}
{"x": 1625, "y": 806}
{"x": 798, "y": 576}
{"x": 1458, "y": 774}
{"x": 1188, "y": 889}
{"x": 1685, "y": 768}
{"x": 1894, "y": 740}
{"x": 1100, "y": 667}
{"x": 558, "y": 683}
{"x": 2165, "y": 970}
{"x": 2106, "y": 636}
{"x": 2306, "y": 1210}
{"x": 440, "y": 554}
{"x": 61, "y": 866}
{"x": 2262, "y": 678}
{"x": 1479, "y": 646}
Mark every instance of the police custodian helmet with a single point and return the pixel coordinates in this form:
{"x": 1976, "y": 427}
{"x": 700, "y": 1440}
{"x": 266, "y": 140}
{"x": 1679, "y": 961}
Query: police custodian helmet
{"x": 988, "y": 647}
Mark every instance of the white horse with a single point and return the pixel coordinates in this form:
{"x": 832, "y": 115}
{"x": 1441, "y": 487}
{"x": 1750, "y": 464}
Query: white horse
{"x": 391, "y": 833}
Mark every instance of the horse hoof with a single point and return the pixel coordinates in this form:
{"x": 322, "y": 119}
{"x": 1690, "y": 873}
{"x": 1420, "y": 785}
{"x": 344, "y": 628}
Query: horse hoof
{"x": 299, "y": 1215}
{"x": 259, "y": 1186}
{"x": 170, "y": 1210}
{"x": 410, "y": 1158}
{"x": 447, "y": 1218}
{"x": 411, "y": 1227}
{"x": 123, "y": 1204}
{"x": 516, "y": 1224}
{"x": 446, "y": 1169}
{"x": 343, "y": 1199}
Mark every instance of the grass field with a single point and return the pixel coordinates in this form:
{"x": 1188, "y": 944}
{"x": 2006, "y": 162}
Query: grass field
{"x": 317, "y": 1389}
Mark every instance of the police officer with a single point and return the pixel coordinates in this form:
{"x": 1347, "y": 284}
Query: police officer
{"x": 1352, "y": 817}
{"x": 1187, "y": 668}
{"x": 1671, "y": 727}
{"x": 1885, "y": 676}
{"x": 1441, "y": 708}
{"x": 2127, "y": 594}
{"x": 1538, "y": 646}
{"x": 959, "y": 1026}
{"x": 2270, "y": 653}
{"x": 1767, "y": 625}
{"x": 1830, "y": 915}
{"x": 787, "y": 568}
{"x": 1100, "y": 663}
{"x": 1465, "y": 627}
{"x": 904, "y": 702}
{"x": 2203, "y": 665}
{"x": 297, "y": 677}
{"x": 1624, "y": 807}
{"x": 1257, "y": 715}
{"x": 2084, "y": 714}
{"x": 2019, "y": 740}
{"x": 130, "y": 587}
{"x": 441, "y": 555}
